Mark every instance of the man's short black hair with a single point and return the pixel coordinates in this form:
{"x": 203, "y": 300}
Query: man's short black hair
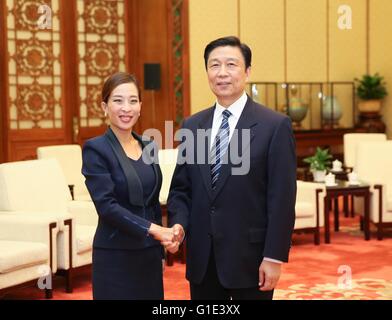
{"x": 229, "y": 41}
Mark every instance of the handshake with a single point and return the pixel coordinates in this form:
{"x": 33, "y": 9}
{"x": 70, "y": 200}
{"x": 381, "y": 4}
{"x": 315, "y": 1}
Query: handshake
{"x": 170, "y": 238}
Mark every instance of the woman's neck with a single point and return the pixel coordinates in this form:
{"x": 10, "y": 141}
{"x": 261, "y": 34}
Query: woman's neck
{"x": 123, "y": 137}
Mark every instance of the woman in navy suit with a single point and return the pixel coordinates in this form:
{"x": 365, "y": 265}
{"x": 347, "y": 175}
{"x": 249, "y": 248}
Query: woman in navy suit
{"x": 124, "y": 183}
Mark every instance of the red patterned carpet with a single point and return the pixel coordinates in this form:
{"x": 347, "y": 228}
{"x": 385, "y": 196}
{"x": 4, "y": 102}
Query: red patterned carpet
{"x": 314, "y": 272}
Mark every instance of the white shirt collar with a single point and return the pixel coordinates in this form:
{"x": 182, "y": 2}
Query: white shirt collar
{"x": 236, "y": 108}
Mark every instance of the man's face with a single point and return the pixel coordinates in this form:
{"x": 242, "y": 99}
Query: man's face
{"x": 227, "y": 75}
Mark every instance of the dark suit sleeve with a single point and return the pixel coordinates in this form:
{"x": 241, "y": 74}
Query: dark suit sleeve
{"x": 179, "y": 199}
{"x": 101, "y": 188}
{"x": 281, "y": 192}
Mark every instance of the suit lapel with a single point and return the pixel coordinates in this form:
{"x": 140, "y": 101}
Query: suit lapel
{"x": 205, "y": 169}
{"x": 246, "y": 121}
{"x": 135, "y": 189}
{"x": 153, "y": 155}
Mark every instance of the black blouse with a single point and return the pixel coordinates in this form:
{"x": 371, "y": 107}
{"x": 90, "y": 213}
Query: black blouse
{"x": 146, "y": 175}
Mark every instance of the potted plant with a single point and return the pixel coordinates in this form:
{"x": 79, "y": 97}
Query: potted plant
{"x": 371, "y": 89}
{"x": 319, "y": 163}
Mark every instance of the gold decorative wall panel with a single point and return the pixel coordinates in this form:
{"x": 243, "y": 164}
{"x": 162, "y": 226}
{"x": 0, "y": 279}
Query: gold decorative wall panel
{"x": 348, "y": 43}
{"x": 178, "y": 65}
{"x": 208, "y": 20}
{"x": 381, "y": 51}
{"x": 34, "y": 66}
{"x": 101, "y": 47}
{"x": 265, "y": 39}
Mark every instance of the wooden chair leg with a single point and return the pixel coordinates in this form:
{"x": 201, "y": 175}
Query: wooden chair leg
{"x": 336, "y": 214}
{"x": 379, "y": 231}
{"x": 68, "y": 281}
{"x": 317, "y": 237}
{"x": 352, "y": 206}
{"x": 345, "y": 205}
{"x": 48, "y": 293}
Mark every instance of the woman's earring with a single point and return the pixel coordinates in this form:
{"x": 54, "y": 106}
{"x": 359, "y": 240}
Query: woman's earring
{"x": 106, "y": 114}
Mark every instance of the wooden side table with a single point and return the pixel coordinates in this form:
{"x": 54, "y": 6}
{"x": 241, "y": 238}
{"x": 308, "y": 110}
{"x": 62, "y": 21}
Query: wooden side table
{"x": 343, "y": 188}
{"x": 343, "y": 175}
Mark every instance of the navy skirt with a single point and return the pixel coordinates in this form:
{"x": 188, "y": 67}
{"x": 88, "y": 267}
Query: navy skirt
{"x": 127, "y": 274}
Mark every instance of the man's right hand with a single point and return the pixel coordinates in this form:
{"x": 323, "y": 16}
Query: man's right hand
{"x": 179, "y": 235}
{"x": 162, "y": 234}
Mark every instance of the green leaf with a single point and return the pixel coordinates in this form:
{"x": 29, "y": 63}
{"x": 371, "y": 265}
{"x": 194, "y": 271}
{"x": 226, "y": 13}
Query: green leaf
{"x": 371, "y": 87}
{"x": 320, "y": 160}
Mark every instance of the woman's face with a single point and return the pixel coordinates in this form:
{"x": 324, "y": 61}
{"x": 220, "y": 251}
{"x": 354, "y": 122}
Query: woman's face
{"x": 123, "y": 107}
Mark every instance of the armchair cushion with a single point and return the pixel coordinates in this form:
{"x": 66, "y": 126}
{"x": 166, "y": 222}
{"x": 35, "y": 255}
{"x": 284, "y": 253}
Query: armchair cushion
{"x": 36, "y": 185}
{"x": 351, "y": 141}
{"x": 303, "y": 209}
{"x": 85, "y": 236}
{"x": 15, "y": 255}
{"x": 374, "y": 166}
{"x": 306, "y": 205}
{"x": 69, "y": 157}
{"x": 389, "y": 204}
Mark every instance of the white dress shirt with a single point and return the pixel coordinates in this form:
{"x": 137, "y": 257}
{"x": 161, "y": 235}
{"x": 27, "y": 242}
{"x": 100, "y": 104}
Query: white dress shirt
{"x": 236, "y": 109}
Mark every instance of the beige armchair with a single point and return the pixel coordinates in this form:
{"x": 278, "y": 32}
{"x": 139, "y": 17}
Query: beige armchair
{"x": 350, "y": 144}
{"x": 38, "y": 188}
{"x": 351, "y": 141}
{"x": 373, "y": 166}
{"x": 167, "y": 161}
{"x": 69, "y": 157}
{"x": 27, "y": 252}
{"x": 309, "y": 208}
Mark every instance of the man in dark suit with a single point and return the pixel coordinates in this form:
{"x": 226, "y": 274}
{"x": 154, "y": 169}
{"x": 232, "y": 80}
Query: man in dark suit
{"x": 237, "y": 216}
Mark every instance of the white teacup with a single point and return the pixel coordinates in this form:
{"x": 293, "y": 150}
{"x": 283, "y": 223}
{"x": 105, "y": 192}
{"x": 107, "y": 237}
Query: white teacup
{"x": 330, "y": 179}
{"x": 337, "y": 165}
{"x": 353, "y": 178}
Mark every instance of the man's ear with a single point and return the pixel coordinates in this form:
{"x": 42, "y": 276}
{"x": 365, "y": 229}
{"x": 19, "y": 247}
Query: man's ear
{"x": 247, "y": 71}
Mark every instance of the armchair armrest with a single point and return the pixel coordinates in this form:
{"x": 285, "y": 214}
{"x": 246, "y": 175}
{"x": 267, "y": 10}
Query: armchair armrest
{"x": 306, "y": 191}
{"x": 348, "y": 169}
{"x": 32, "y": 229}
{"x": 83, "y": 212}
{"x": 26, "y": 228}
{"x": 58, "y": 217}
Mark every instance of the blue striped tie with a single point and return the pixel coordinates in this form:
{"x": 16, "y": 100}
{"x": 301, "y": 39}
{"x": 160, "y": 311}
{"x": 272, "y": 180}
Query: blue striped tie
{"x": 220, "y": 147}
